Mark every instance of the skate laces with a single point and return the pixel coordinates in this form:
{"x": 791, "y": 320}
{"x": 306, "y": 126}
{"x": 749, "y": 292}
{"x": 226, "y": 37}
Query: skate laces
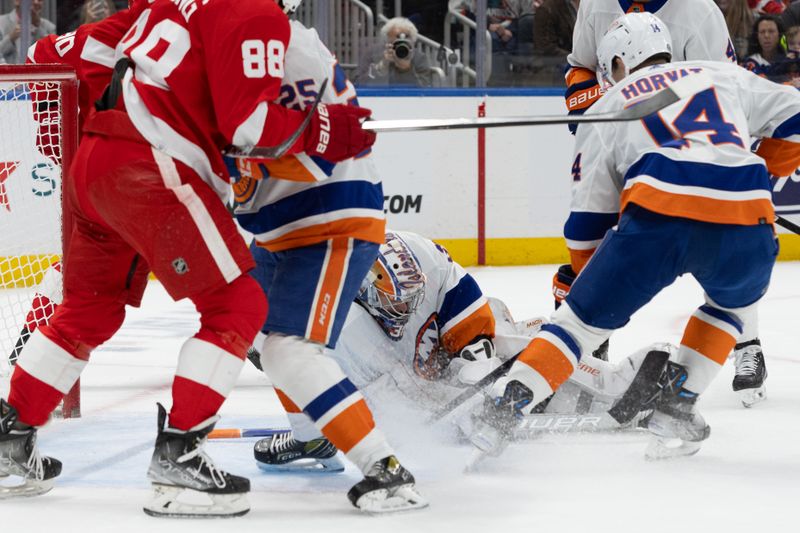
{"x": 747, "y": 360}
{"x": 35, "y": 463}
{"x": 282, "y": 442}
{"x": 217, "y": 475}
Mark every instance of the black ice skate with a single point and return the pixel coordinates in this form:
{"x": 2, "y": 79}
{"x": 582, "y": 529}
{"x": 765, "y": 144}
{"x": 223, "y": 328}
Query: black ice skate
{"x": 283, "y": 453}
{"x": 751, "y": 372}
{"x": 677, "y": 429}
{"x": 186, "y": 482}
{"x": 19, "y": 458}
{"x": 387, "y": 487}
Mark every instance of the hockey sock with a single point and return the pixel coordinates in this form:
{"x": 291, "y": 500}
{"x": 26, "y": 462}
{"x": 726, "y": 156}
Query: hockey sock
{"x": 303, "y": 427}
{"x": 707, "y": 340}
{"x": 43, "y": 375}
{"x": 209, "y": 363}
{"x": 314, "y": 381}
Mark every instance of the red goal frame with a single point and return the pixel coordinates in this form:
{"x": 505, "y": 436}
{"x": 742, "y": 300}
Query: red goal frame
{"x": 67, "y": 80}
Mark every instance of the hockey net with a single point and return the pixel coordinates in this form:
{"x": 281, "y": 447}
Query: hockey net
{"x": 38, "y": 139}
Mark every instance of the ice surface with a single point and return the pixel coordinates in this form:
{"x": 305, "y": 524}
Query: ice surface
{"x": 745, "y": 477}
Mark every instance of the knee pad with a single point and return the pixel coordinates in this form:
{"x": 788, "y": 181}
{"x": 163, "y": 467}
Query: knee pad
{"x": 231, "y": 316}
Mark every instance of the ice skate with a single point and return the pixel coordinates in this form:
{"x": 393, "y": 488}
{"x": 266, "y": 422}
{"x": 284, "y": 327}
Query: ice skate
{"x": 186, "y": 483}
{"x": 284, "y": 453}
{"x": 20, "y": 459}
{"x": 677, "y": 429}
{"x": 751, "y": 372}
{"x": 387, "y": 488}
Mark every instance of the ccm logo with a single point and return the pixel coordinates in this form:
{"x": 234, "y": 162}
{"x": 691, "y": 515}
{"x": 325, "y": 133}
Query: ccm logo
{"x": 323, "y": 312}
{"x": 324, "y": 128}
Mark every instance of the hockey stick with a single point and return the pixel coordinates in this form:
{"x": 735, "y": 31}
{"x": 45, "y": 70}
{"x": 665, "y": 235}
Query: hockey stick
{"x": 473, "y": 389}
{"x": 683, "y": 88}
{"x": 791, "y": 226}
{"x": 235, "y": 433}
{"x": 275, "y": 152}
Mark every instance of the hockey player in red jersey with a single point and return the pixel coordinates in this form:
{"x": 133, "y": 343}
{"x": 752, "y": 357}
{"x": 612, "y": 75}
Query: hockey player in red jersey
{"x": 90, "y": 51}
{"x": 147, "y": 190}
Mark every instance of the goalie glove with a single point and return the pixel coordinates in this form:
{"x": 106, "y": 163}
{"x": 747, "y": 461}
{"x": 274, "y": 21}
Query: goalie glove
{"x": 335, "y": 132}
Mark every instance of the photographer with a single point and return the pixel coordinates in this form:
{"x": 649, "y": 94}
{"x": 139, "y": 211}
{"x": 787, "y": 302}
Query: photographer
{"x": 396, "y": 61}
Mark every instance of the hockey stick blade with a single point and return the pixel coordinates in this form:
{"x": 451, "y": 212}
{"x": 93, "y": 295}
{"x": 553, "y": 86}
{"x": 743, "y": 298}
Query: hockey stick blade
{"x": 791, "y": 226}
{"x": 687, "y": 86}
{"x": 276, "y": 152}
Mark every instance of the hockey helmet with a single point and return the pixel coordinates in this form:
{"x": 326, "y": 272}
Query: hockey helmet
{"x": 289, "y": 6}
{"x": 633, "y": 38}
{"x": 394, "y": 286}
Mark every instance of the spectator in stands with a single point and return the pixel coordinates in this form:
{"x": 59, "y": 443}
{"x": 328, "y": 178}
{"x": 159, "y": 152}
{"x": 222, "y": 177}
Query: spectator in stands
{"x": 767, "y": 57}
{"x": 502, "y": 17}
{"x": 791, "y": 16}
{"x": 739, "y": 19}
{"x": 793, "y": 56}
{"x": 10, "y": 30}
{"x": 396, "y": 60}
{"x": 552, "y": 27}
{"x": 96, "y": 10}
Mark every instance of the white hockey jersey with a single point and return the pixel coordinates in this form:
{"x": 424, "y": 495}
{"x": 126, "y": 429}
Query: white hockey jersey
{"x": 691, "y": 160}
{"x": 299, "y": 200}
{"x": 453, "y": 313}
{"x": 697, "y": 27}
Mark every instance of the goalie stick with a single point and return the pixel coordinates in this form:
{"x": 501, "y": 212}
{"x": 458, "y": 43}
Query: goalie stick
{"x": 276, "y": 152}
{"x": 683, "y": 88}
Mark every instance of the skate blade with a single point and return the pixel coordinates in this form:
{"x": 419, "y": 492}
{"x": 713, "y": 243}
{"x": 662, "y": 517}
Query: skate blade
{"x": 170, "y": 501}
{"x": 661, "y": 448}
{"x": 27, "y": 489}
{"x": 403, "y": 498}
{"x": 750, "y": 397}
{"x": 305, "y": 466}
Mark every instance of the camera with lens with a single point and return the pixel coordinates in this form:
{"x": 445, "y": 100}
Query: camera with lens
{"x": 403, "y": 47}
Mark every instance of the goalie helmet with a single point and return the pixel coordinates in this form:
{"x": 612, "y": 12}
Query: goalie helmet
{"x": 394, "y": 286}
{"x": 633, "y": 38}
{"x": 289, "y": 6}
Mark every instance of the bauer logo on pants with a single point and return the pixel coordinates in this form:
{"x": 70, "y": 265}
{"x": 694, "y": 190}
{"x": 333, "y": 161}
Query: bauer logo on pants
{"x": 180, "y": 266}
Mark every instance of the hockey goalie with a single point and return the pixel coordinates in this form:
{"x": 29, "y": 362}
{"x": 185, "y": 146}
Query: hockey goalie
{"x": 422, "y": 331}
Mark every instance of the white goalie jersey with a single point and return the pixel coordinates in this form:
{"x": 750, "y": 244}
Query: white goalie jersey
{"x": 697, "y": 27}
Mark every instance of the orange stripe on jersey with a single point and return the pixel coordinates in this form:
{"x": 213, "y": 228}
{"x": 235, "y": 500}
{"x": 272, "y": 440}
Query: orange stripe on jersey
{"x": 288, "y": 405}
{"x": 288, "y": 168}
{"x": 362, "y": 228}
{"x": 636, "y": 7}
{"x": 782, "y": 157}
{"x": 480, "y": 322}
{"x": 708, "y": 340}
{"x": 324, "y": 312}
{"x": 579, "y": 258}
{"x": 349, "y": 427}
{"x": 548, "y": 361}
{"x": 741, "y": 212}
{"x": 579, "y": 75}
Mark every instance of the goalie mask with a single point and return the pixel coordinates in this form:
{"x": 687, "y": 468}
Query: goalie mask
{"x": 633, "y": 38}
{"x": 394, "y": 287}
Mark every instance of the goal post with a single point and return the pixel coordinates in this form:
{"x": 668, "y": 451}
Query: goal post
{"x": 38, "y": 141}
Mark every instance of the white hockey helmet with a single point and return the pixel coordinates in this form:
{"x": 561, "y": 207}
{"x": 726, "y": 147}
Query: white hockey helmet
{"x": 289, "y": 6}
{"x": 633, "y": 38}
{"x": 394, "y": 286}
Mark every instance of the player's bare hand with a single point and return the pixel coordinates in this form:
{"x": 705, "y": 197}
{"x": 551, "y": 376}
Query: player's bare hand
{"x": 335, "y": 132}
